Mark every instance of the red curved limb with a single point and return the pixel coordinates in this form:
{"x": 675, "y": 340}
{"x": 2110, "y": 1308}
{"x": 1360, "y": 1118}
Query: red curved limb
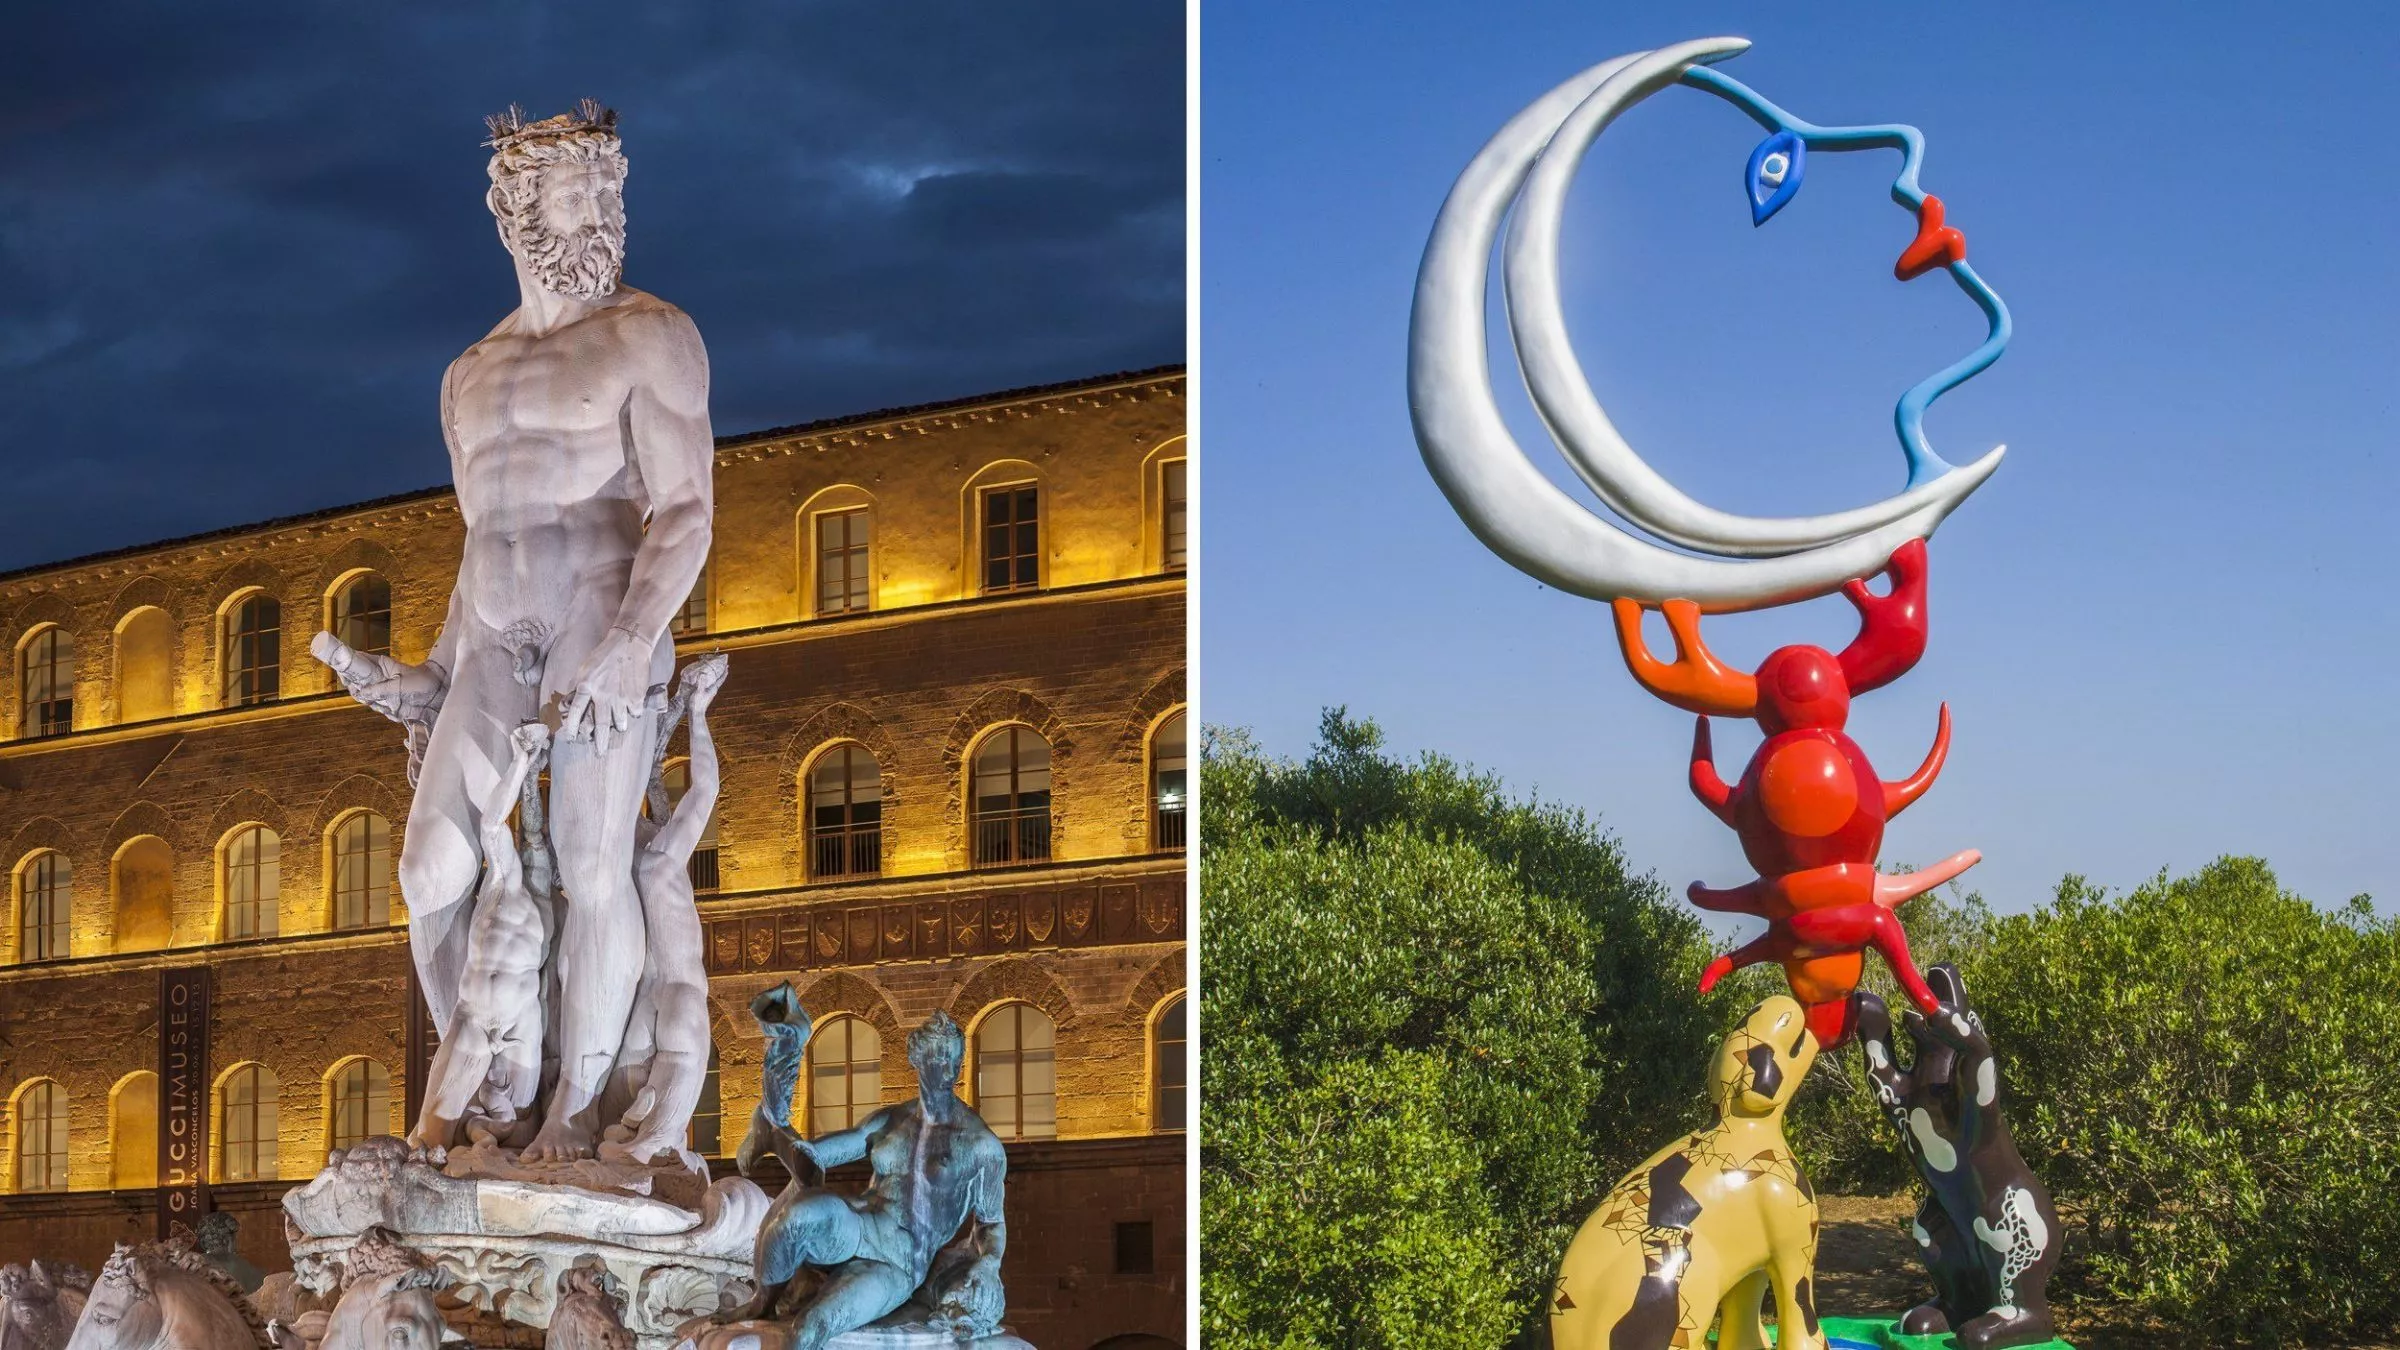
{"x": 1891, "y": 628}
{"x": 1854, "y": 926}
{"x": 1747, "y": 898}
{"x": 1897, "y": 797}
{"x": 1706, "y": 785}
{"x": 1756, "y": 952}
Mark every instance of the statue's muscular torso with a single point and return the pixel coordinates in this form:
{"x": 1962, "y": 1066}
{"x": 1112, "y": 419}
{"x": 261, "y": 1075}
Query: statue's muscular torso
{"x": 547, "y": 486}
{"x": 926, "y": 1177}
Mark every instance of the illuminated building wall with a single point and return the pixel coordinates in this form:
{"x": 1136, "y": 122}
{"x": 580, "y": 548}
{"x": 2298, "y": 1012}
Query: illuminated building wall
{"x": 892, "y": 649}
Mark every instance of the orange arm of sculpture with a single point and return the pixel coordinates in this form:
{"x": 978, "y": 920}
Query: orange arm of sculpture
{"x": 1706, "y": 785}
{"x": 1897, "y": 797}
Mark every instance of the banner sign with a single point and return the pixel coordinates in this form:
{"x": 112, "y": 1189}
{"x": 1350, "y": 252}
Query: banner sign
{"x": 422, "y": 1041}
{"x": 183, "y": 1090}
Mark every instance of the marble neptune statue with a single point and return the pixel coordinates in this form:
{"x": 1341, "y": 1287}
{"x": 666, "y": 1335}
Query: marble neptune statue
{"x": 579, "y": 442}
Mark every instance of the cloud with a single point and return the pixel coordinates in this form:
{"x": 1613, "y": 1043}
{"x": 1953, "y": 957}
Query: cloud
{"x": 237, "y": 247}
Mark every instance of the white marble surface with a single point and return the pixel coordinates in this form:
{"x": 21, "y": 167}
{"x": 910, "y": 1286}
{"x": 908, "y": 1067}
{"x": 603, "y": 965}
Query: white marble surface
{"x": 580, "y": 447}
{"x": 503, "y": 1244}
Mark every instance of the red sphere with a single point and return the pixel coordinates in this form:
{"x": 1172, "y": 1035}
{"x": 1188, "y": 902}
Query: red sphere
{"x": 1802, "y": 687}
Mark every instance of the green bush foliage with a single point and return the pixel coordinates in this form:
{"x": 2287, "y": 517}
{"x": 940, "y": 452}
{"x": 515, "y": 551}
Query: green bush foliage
{"x": 2207, "y": 1073}
{"x": 1436, "y": 1022}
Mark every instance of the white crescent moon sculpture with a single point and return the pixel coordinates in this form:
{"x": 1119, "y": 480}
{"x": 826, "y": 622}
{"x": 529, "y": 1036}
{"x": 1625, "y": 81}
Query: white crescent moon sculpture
{"x": 1509, "y": 504}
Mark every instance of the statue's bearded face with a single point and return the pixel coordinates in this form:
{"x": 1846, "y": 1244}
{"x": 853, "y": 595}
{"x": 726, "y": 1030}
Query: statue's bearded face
{"x": 560, "y": 206}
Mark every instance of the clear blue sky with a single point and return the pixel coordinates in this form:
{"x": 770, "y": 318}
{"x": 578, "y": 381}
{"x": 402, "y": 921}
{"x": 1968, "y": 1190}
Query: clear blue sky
{"x": 2166, "y": 628}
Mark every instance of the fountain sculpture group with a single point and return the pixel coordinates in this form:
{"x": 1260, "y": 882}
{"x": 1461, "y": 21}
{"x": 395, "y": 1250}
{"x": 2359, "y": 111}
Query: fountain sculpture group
{"x": 544, "y": 1187}
{"x": 1701, "y": 1233}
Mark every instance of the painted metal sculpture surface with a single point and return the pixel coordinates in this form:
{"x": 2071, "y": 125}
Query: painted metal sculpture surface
{"x": 1746, "y": 562}
{"x": 1809, "y": 808}
{"x": 1988, "y": 1231}
{"x": 1711, "y": 1223}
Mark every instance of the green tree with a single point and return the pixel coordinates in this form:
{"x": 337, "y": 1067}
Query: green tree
{"x": 1411, "y": 978}
{"x": 2206, "y": 1072}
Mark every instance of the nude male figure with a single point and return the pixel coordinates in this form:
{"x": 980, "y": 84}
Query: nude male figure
{"x": 580, "y": 445}
{"x": 937, "y": 1167}
{"x": 664, "y": 1062}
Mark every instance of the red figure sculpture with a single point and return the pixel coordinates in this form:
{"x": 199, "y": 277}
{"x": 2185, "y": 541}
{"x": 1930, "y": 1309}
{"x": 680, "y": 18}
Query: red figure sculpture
{"x": 1809, "y": 808}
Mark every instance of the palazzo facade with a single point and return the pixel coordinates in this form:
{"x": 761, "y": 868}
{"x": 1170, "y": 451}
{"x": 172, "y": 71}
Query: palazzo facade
{"x": 954, "y": 752}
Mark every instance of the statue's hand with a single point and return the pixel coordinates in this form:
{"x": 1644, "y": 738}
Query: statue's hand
{"x": 611, "y": 690}
{"x": 398, "y": 690}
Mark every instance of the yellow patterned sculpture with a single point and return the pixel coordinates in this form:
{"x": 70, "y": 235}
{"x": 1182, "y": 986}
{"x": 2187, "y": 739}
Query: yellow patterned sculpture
{"x": 1711, "y": 1222}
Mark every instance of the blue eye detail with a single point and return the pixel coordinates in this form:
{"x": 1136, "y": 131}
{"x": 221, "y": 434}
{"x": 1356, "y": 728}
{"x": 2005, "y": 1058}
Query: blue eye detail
{"x": 1774, "y": 174}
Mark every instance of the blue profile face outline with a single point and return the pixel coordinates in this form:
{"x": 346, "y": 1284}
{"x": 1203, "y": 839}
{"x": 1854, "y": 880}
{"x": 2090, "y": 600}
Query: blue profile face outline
{"x": 1772, "y": 178}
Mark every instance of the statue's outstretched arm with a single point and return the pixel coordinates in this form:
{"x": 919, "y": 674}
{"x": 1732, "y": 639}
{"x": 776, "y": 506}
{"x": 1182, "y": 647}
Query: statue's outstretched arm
{"x": 844, "y": 1146}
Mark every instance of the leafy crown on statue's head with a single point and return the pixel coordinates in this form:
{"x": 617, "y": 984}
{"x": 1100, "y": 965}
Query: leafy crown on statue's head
{"x": 589, "y": 118}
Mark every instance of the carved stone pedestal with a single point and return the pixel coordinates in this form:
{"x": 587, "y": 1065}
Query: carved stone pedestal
{"x": 505, "y": 1235}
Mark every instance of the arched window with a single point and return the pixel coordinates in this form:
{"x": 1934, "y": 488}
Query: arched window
{"x": 703, "y": 866}
{"x": 362, "y": 871}
{"x": 707, "y": 1131}
{"x": 41, "y": 1111}
{"x": 253, "y": 882}
{"x": 693, "y": 617}
{"x": 1012, "y": 538}
{"x": 1011, "y": 797}
{"x": 249, "y": 1114}
{"x": 845, "y": 1074}
{"x": 358, "y": 1103}
{"x": 252, "y": 654}
{"x": 46, "y": 679}
{"x": 145, "y": 673}
{"x": 44, "y": 905}
{"x": 1174, "y": 513}
{"x": 1168, "y": 798}
{"x": 141, "y": 891}
{"x": 845, "y": 813}
{"x": 1016, "y": 1072}
{"x": 42, "y": 1137}
{"x": 1167, "y": 1103}
{"x": 362, "y": 614}
{"x": 133, "y": 1132}
{"x": 844, "y": 543}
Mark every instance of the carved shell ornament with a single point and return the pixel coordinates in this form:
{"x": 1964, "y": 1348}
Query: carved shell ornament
{"x": 1718, "y": 560}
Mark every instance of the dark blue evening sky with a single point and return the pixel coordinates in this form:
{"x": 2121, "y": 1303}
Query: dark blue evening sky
{"x": 238, "y": 243}
{"x": 2166, "y": 628}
